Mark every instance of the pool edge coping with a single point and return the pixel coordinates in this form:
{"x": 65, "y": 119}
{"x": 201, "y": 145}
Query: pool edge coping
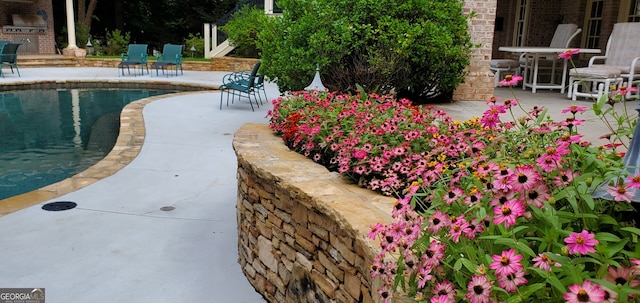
{"x": 127, "y": 147}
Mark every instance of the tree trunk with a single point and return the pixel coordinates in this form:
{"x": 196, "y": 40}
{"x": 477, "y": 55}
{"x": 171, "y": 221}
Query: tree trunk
{"x": 85, "y": 12}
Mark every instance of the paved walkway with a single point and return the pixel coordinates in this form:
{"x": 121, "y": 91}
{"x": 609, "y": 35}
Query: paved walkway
{"x": 119, "y": 246}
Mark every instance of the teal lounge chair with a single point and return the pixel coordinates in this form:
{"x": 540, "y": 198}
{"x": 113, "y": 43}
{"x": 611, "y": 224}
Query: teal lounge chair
{"x": 171, "y": 56}
{"x": 9, "y": 57}
{"x": 136, "y": 55}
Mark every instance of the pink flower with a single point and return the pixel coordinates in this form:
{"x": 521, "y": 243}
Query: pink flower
{"x": 634, "y": 181}
{"x": 568, "y": 53}
{"x": 508, "y": 213}
{"x": 574, "y": 109}
{"x": 588, "y": 292}
{"x": 582, "y": 242}
{"x": 444, "y": 288}
{"x": 506, "y": 264}
{"x": 623, "y": 90}
{"x": 441, "y": 299}
{"x": 619, "y": 192}
{"x": 620, "y": 275}
{"x": 543, "y": 262}
{"x": 479, "y": 290}
{"x": 511, "y": 282}
{"x": 510, "y": 80}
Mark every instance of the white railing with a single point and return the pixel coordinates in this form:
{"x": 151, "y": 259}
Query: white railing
{"x": 214, "y": 49}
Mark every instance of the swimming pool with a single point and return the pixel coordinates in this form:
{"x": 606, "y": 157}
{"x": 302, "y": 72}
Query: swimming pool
{"x": 49, "y": 135}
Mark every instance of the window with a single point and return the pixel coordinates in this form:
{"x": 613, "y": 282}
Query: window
{"x": 522, "y": 16}
{"x": 593, "y": 24}
{"x": 629, "y": 11}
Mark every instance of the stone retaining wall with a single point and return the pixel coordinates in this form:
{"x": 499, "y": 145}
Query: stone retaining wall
{"x": 216, "y": 64}
{"x": 302, "y": 229}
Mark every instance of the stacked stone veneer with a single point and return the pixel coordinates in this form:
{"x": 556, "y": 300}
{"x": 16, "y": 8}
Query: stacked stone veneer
{"x": 302, "y": 229}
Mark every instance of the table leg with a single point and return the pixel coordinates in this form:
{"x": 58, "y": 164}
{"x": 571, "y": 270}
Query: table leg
{"x": 534, "y": 83}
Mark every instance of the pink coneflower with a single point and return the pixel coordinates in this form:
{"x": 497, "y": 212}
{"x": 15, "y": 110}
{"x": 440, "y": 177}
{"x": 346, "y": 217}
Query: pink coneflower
{"x": 507, "y": 263}
{"x": 619, "y": 192}
{"x": 537, "y": 195}
{"x": 548, "y": 163}
{"x": 375, "y": 230}
{"x": 441, "y": 299}
{"x": 620, "y": 275}
{"x": 479, "y": 290}
{"x": 543, "y": 262}
{"x": 458, "y": 227}
{"x": 444, "y": 288}
{"x": 453, "y": 195}
{"x": 437, "y": 221}
{"x": 526, "y": 178}
{"x": 511, "y": 282}
{"x": 568, "y": 53}
{"x": 634, "y": 181}
{"x": 610, "y": 296}
{"x": 508, "y": 213}
{"x": 564, "y": 177}
{"x": 510, "y": 80}
{"x": 623, "y": 90}
{"x": 475, "y": 228}
{"x": 574, "y": 109}
{"x": 582, "y": 242}
{"x": 588, "y": 292}
{"x": 635, "y": 268}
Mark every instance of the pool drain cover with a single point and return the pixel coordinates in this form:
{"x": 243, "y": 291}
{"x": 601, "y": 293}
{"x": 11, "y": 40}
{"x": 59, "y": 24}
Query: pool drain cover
{"x": 59, "y": 206}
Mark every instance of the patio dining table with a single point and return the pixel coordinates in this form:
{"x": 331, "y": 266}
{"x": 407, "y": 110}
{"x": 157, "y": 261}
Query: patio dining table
{"x": 535, "y": 53}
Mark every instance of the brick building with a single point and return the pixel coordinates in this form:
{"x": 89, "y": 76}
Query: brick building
{"x": 29, "y": 22}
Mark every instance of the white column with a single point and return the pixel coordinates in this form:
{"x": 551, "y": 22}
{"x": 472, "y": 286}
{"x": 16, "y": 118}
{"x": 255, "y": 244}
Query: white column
{"x": 75, "y": 110}
{"x": 71, "y": 26}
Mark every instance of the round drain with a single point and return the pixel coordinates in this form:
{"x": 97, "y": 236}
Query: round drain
{"x": 59, "y": 206}
{"x": 167, "y": 208}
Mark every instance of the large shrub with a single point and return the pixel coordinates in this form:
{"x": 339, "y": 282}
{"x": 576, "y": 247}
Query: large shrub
{"x": 502, "y": 208}
{"x": 243, "y": 28}
{"x": 417, "y": 48}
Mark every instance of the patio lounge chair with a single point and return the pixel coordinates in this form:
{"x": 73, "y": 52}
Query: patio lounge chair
{"x": 9, "y": 57}
{"x": 241, "y": 84}
{"x": 136, "y": 55}
{"x": 171, "y": 56}
{"x": 564, "y": 34}
{"x": 620, "y": 63}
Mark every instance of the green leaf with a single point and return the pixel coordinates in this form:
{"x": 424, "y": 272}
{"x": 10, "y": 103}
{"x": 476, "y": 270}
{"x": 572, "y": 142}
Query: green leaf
{"x": 608, "y": 237}
{"x": 633, "y": 230}
{"x": 521, "y": 246}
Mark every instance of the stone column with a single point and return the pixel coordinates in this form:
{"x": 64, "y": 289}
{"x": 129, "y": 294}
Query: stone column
{"x": 478, "y": 83}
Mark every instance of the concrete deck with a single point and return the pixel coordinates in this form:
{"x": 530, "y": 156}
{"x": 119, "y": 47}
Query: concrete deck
{"x": 118, "y": 245}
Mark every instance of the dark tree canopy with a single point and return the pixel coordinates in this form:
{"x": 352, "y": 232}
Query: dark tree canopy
{"x": 154, "y": 22}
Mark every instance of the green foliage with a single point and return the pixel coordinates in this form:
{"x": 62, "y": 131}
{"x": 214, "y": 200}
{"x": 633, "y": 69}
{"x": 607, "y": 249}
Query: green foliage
{"x": 197, "y": 42}
{"x": 417, "y": 48}
{"x": 243, "y": 29}
{"x": 82, "y": 36}
{"x": 116, "y": 43}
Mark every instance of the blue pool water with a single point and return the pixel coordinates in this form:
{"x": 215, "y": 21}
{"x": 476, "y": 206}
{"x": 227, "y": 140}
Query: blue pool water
{"x": 49, "y": 135}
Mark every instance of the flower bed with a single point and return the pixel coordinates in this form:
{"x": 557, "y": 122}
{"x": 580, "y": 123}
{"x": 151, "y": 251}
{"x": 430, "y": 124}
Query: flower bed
{"x": 489, "y": 209}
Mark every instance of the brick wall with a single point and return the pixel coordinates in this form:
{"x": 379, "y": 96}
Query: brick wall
{"x": 46, "y": 41}
{"x": 478, "y": 83}
{"x": 301, "y": 229}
